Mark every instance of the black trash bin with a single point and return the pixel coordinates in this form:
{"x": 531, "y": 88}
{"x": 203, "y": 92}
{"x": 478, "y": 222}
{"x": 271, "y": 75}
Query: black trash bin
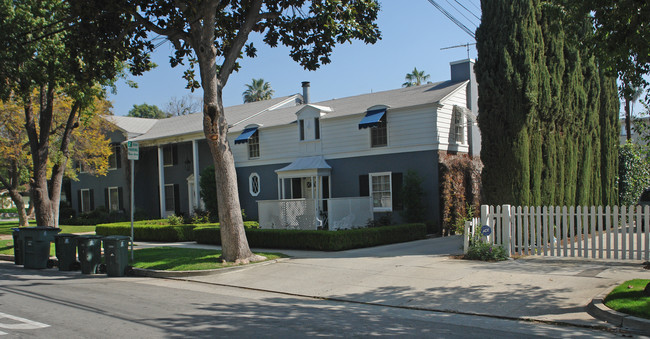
{"x": 90, "y": 252}
{"x": 36, "y": 242}
{"x": 116, "y": 255}
{"x": 66, "y": 251}
{"x": 19, "y": 247}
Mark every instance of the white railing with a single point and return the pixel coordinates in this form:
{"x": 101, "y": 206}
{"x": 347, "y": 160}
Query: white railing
{"x": 297, "y": 214}
{"x": 302, "y": 214}
{"x": 590, "y": 232}
{"x": 344, "y": 213}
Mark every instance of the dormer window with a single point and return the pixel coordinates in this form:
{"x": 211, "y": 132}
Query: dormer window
{"x": 375, "y": 120}
{"x": 316, "y": 128}
{"x": 254, "y": 146}
{"x": 251, "y": 136}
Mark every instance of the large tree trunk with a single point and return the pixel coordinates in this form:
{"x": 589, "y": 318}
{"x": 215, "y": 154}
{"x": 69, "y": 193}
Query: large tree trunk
{"x": 12, "y": 185}
{"x": 233, "y": 238}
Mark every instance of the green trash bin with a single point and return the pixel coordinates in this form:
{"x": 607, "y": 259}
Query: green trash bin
{"x": 36, "y": 242}
{"x": 66, "y": 251}
{"x": 90, "y": 252}
{"x": 116, "y": 255}
{"x": 19, "y": 254}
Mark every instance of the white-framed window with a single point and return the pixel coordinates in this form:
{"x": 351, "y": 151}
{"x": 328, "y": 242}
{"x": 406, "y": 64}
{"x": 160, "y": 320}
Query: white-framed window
{"x": 113, "y": 199}
{"x": 81, "y": 168}
{"x": 380, "y": 191}
{"x": 113, "y": 159}
{"x": 301, "y": 129}
{"x": 170, "y": 204}
{"x": 168, "y": 155}
{"x": 458, "y": 126}
{"x": 86, "y": 204}
{"x": 379, "y": 133}
{"x": 254, "y": 184}
{"x": 254, "y": 146}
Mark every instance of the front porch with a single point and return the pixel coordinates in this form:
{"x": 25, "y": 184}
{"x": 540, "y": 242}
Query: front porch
{"x": 306, "y": 214}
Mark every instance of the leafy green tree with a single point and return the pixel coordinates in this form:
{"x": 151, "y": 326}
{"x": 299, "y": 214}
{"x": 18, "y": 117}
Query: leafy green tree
{"x": 620, "y": 39}
{"x": 45, "y": 51}
{"x": 257, "y": 90}
{"x": 634, "y": 173}
{"x": 415, "y": 78}
{"x": 147, "y": 111}
{"x": 212, "y": 35}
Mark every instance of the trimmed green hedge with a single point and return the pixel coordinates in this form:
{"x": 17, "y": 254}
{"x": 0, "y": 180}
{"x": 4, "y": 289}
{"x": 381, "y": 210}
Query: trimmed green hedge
{"x": 156, "y": 230}
{"x": 320, "y": 240}
{"x": 160, "y": 233}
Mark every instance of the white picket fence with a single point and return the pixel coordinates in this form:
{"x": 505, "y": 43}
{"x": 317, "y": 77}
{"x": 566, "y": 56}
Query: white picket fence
{"x": 589, "y": 232}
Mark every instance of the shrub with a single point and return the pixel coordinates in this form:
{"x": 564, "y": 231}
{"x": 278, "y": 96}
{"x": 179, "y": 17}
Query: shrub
{"x": 633, "y": 173}
{"x": 175, "y": 220}
{"x": 319, "y": 240}
{"x": 413, "y": 194}
{"x": 208, "y": 185}
{"x": 141, "y": 232}
{"x": 479, "y": 250}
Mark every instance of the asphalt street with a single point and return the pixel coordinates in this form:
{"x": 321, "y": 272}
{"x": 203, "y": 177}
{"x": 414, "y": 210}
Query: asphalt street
{"x": 52, "y": 304}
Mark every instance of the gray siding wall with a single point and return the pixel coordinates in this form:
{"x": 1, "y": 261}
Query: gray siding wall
{"x": 345, "y": 179}
{"x": 114, "y": 178}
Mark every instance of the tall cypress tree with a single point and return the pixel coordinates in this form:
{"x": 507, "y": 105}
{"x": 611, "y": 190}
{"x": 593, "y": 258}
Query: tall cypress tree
{"x": 546, "y": 112}
{"x": 508, "y": 71}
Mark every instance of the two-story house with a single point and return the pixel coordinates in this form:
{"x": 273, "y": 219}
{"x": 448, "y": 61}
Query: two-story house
{"x": 315, "y": 158}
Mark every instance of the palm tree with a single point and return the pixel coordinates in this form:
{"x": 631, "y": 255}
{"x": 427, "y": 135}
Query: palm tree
{"x": 415, "y": 78}
{"x": 631, "y": 95}
{"x": 258, "y": 90}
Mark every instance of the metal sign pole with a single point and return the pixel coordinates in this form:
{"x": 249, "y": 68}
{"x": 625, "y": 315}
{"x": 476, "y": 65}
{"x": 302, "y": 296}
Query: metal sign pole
{"x": 132, "y": 206}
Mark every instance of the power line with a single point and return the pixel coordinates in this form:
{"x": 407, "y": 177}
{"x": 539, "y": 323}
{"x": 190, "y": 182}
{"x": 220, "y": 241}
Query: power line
{"x": 461, "y": 13}
{"x": 453, "y": 19}
{"x": 470, "y": 12}
{"x": 472, "y": 3}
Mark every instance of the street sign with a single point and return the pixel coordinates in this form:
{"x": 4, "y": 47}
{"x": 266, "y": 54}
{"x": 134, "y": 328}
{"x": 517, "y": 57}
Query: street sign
{"x": 133, "y": 150}
{"x": 486, "y": 230}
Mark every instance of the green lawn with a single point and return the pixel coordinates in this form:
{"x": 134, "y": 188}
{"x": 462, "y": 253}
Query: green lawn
{"x": 184, "y": 259}
{"x": 630, "y": 300}
{"x": 7, "y": 247}
{"x": 6, "y": 226}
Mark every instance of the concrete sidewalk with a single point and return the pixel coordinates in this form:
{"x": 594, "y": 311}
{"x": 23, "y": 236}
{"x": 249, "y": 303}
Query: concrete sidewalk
{"x": 423, "y": 275}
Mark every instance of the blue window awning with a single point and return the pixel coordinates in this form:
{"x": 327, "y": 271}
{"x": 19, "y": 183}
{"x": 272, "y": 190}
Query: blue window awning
{"x": 245, "y": 135}
{"x": 372, "y": 118}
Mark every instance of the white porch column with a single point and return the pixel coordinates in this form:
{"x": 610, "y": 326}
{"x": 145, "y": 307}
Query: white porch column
{"x": 195, "y": 162}
{"x": 161, "y": 181}
{"x": 279, "y": 188}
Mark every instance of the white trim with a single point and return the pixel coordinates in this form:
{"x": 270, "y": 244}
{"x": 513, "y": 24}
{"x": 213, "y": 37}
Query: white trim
{"x": 390, "y": 187}
{"x": 251, "y": 186}
{"x": 109, "y": 198}
{"x": 161, "y": 181}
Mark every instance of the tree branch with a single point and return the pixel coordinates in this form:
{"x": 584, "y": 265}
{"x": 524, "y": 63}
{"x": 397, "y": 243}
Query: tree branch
{"x": 230, "y": 58}
{"x": 171, "y": 34}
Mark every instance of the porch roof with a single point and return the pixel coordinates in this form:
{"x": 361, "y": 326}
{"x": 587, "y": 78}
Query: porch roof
{"x": 306, "y": 165}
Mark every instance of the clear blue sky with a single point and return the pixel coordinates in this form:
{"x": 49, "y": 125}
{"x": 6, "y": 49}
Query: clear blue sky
{"x": 413, "y": 32}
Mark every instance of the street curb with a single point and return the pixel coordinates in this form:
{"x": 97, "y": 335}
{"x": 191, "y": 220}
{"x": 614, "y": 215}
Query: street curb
{"x": 142, "y": 272}
{"x": 598, "y": 310}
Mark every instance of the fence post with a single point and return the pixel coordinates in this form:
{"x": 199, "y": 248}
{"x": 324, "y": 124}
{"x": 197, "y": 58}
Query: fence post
{"x": 506, "y": 226}
{"x": 466, "y": 236}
